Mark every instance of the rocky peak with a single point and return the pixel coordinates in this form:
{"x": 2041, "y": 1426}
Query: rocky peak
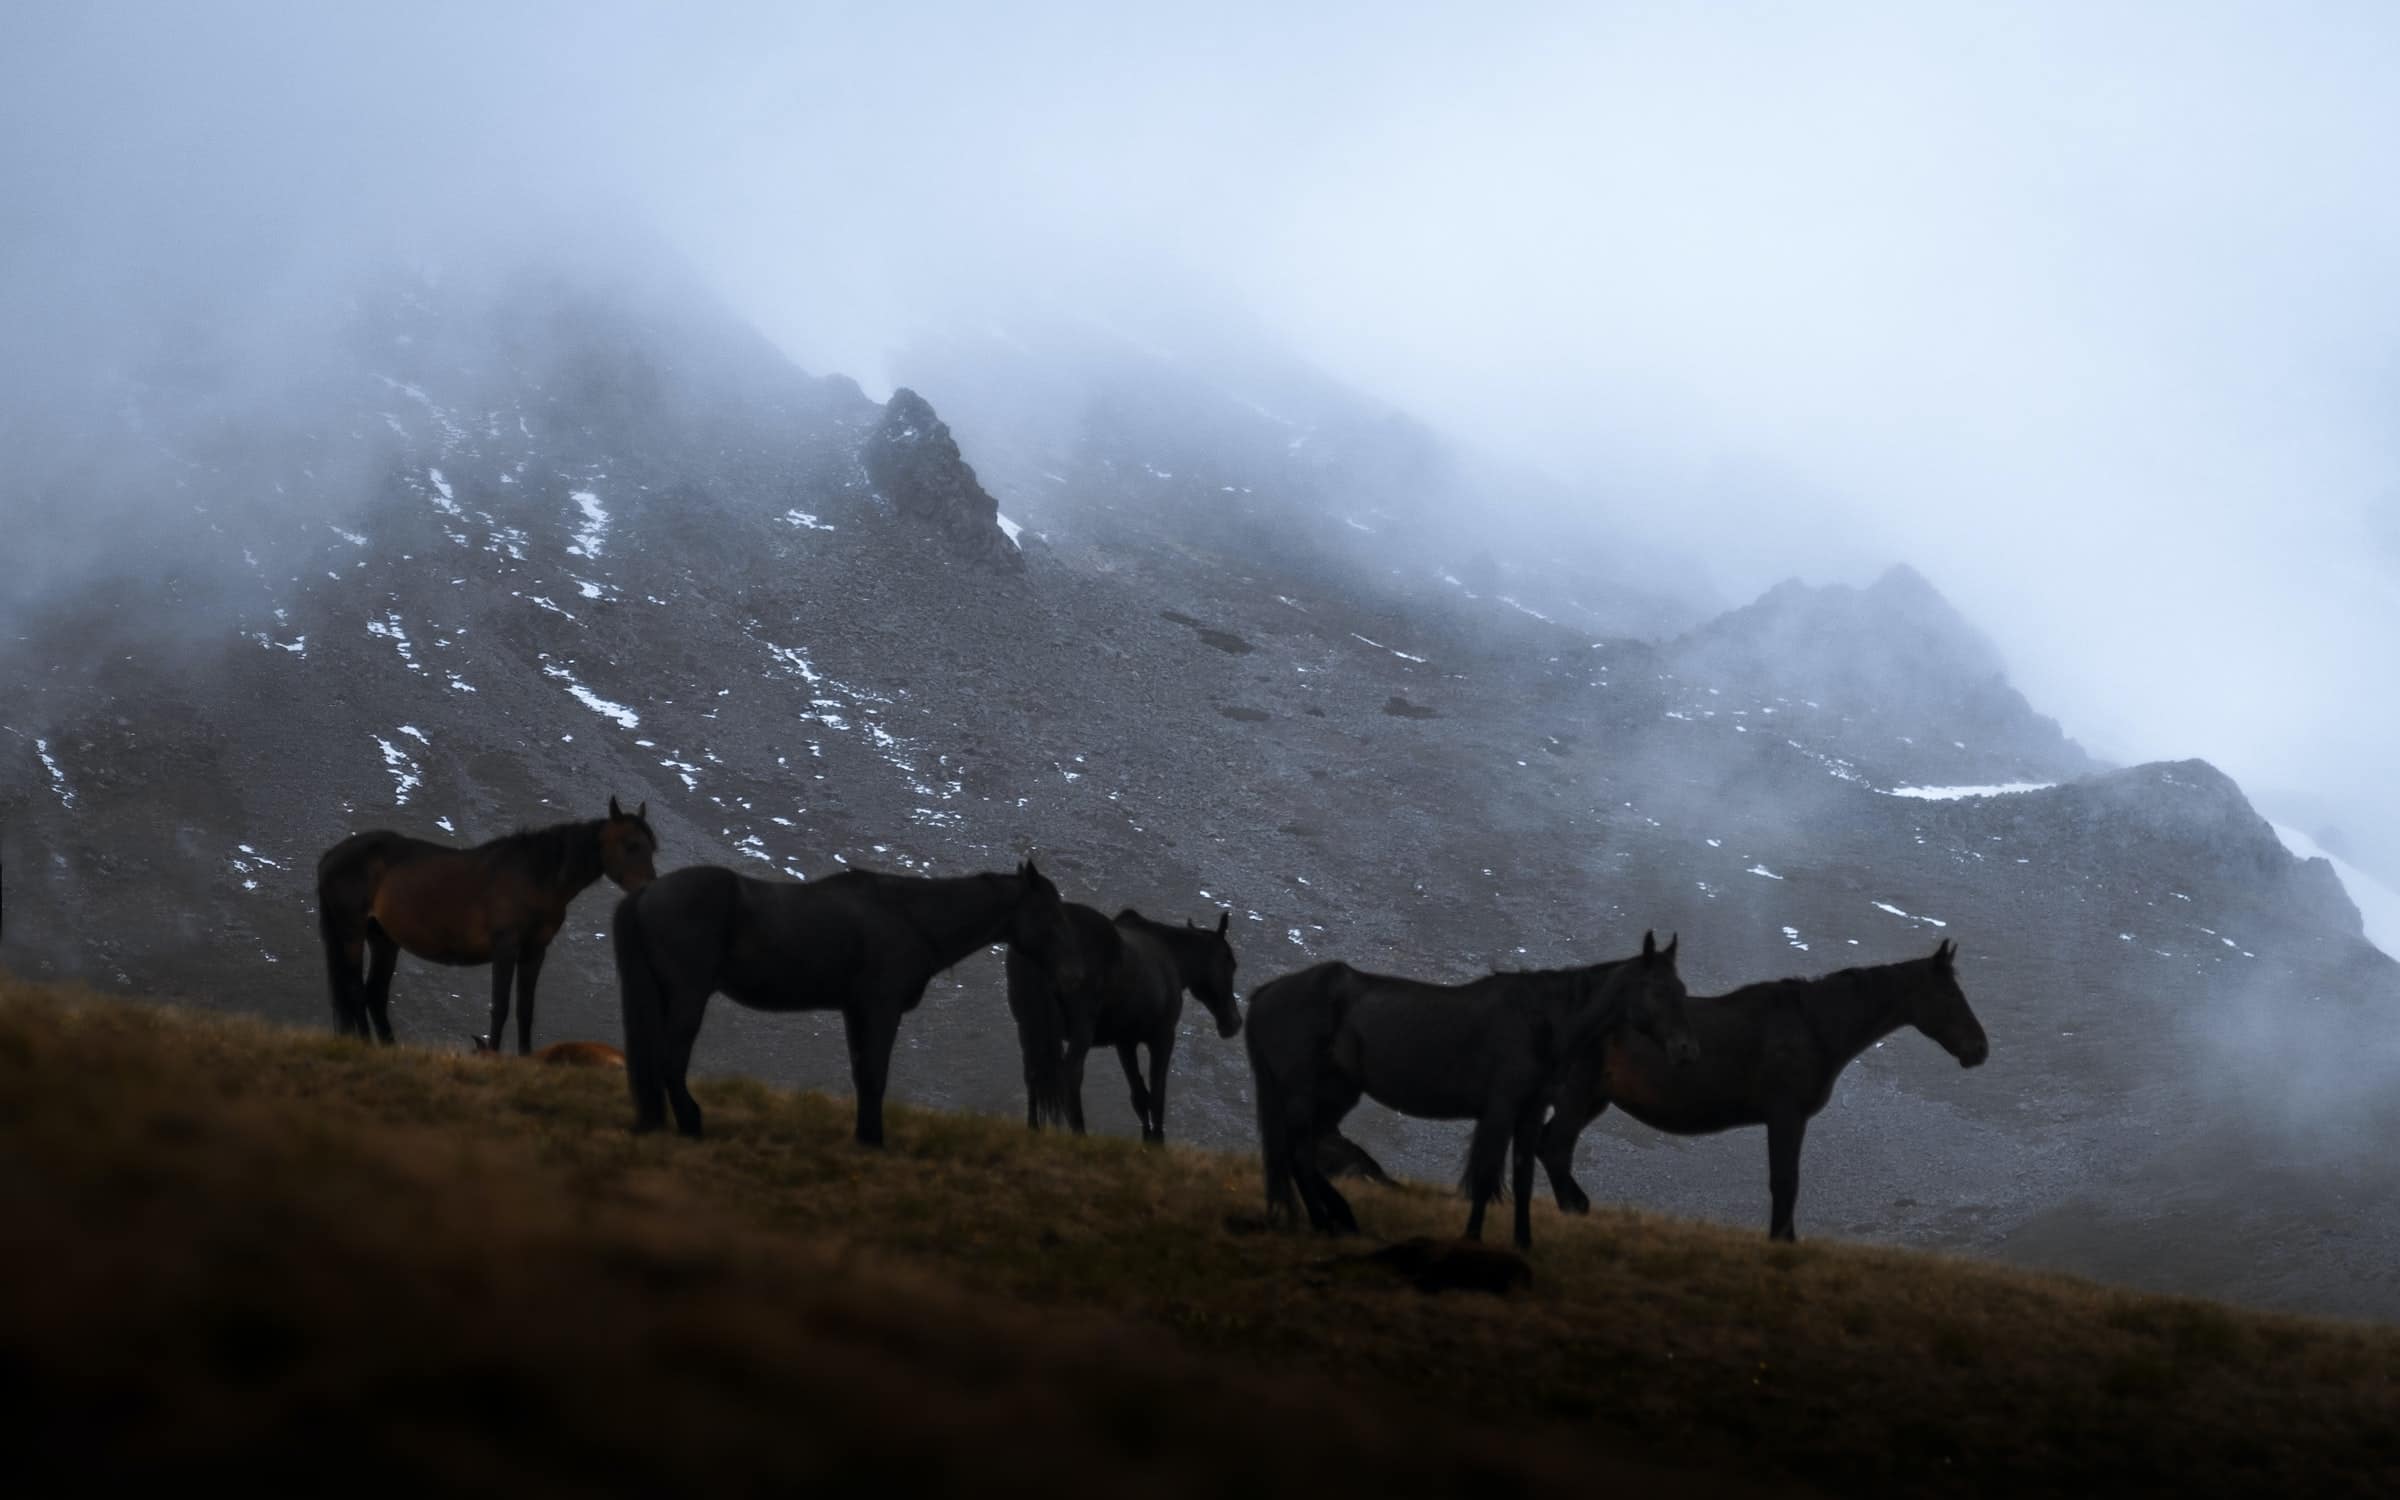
{"x": 914, "y": 463}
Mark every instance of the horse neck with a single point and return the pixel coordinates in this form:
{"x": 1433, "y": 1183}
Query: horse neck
{"x": 582, "y": 863}
{"x": 958, "y": 914}
{"x": 1851, "y": 1017}
{"x": 1589, "y": 1003}
{"x": 1187, "y": 946}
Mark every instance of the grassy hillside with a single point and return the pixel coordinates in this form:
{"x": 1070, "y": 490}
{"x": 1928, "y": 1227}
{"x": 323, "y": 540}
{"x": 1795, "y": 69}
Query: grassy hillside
{"x": 238, "y": 1253}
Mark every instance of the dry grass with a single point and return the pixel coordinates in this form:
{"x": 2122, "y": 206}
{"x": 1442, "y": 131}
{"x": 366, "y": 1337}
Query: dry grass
{"x": 236, "y": 1252}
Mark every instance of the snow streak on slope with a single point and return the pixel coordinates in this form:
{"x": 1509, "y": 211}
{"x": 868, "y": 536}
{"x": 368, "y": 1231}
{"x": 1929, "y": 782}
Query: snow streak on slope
{"x": 2378, "y": 904}
{"x": 1955, "y": 793}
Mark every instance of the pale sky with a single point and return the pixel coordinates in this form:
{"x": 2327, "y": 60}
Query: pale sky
{"x": 2085, "y": 310}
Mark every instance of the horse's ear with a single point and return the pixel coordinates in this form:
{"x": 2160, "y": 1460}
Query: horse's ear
{"x": 1946, "y": 953}
{"x": 614, "y": 812}
{"x": 643, "y": 811}
{"x": 1673, "y": 943}
{"x": 1224, "y": 920}
{"x": 1649, "y": 945}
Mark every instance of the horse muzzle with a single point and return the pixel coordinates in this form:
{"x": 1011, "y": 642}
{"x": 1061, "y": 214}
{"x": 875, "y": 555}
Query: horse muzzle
{"x": 1973, "y": 1056}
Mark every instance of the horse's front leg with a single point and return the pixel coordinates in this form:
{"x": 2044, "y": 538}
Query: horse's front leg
{"x": 529, "y": 973}
{"x": 1131, "y": 1060}
{"x": 1160, "y": 1051}
{"x": 1783, "y": 1172}
{"x": 1557, "y": 1151}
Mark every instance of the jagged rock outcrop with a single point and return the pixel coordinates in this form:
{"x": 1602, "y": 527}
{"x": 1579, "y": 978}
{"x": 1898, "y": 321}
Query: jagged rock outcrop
{"x": 1895, "y": 651}
{"x": 914, "y": 463}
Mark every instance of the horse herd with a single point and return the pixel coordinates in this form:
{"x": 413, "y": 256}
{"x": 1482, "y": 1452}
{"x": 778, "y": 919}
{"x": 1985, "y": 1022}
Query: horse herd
{"x": 1530, "y": 1057}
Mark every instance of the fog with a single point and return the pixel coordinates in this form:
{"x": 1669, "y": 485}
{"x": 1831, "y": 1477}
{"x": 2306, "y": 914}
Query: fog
{"x": 2084, "y": 311}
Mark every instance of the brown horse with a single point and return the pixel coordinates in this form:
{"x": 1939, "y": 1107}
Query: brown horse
{"x": 498, "y": 903}
{"x": 561, "y": 1054}
{"x": 1769, "y": 1054}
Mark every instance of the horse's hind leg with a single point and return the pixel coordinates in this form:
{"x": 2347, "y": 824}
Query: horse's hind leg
{"x": 1529, "y": 1132}
{"x": 870, "y": 1027}
{"x": 504, "y": 973}
{"x": 682, "y": 1030}
{"x": 1071, "y": 1071}
{"x": 1783, "y": 1172}
{"x": 384, "y": 956}
{"x": 345, "y": 955}
{"x": 1130, "y": 1059}
{"x": 529, "y": 973}
{"x": 1485, "y": 1155}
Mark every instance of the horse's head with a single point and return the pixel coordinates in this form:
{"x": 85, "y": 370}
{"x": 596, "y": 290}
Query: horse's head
{"x": 1039, "y": 929}
{"x": 1938, "y": 1007}
{"x": 1654, "y": 1000}
{"x": 626, "y": 847}
{"x": 1214, "y": 983}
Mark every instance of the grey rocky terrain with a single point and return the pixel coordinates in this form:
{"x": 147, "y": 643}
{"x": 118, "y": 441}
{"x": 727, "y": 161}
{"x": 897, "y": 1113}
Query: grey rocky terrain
{"x": 520, "y": 549}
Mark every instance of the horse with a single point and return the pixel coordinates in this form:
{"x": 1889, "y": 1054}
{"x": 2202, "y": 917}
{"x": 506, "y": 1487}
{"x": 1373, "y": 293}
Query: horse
{"x": 1135, "y": 973}
{"x": 862, "y": 942}
{"x": 1488, "y": 1051}
{"x": 499, "y": 903}
{"x": 561, "y": 1054}
{"x": 1770, "y": 1054}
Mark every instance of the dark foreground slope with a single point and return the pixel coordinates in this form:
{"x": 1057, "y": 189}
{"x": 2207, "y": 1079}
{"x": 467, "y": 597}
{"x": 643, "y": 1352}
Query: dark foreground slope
{"x": 240, "y": 1253}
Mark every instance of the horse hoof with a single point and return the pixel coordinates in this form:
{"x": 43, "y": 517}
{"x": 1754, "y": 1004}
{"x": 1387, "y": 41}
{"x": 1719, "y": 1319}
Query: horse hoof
{"x": 1578, "y": 1204}
{"x": 1154, "y": 1137}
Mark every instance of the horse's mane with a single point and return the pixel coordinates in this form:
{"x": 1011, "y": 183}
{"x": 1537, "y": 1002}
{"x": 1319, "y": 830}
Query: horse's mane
{"x": 546, "y": 849}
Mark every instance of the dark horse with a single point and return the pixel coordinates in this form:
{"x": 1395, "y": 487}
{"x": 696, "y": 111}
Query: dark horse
{"x": 1488, "y": 1051}
{"x": 498, "y": 903}
{"x": 1134, "y": 974}
{"x": 861, "y": 942}
{"x": 1769, "y": 1055}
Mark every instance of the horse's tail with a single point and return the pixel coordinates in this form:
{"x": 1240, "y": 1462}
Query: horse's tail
{"x": 1274, "y": 1118}
{"x": 1040, "y": 1009}
{"x": 341, "y": 924}
{"x": 642, "y": 997}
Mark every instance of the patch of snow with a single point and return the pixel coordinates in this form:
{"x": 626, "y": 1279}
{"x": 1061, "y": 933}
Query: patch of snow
{"x": 405, "y": 777}
{"x": 594, "y": 530}
{"x": 1010, "y": 528}
{"x": 58, "y": 777}
{"x": 444, "y": 824}
{"x": 444, "y": 500}
{"x": 1956, "y": 793}
{"x": 1762, "y": 870}
{"x": 352, "y": 537}
{"x": 1791, "y": 935}
{"x": 805, "y": 521}
{"x": 625, "y": 717}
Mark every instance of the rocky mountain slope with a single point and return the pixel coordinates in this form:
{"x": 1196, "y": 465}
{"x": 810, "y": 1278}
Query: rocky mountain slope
{"x": 543, "y": 543}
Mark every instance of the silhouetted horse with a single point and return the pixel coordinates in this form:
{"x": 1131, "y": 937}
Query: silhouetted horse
{"x": 1134, "y": 974}
{"x": 498, "y": 903}
{"x": 1487, "y": 1051}
{"x": 861, "y": 942}
{"x": 1769, "y": 1055}
{"x": 562, "y": 1054}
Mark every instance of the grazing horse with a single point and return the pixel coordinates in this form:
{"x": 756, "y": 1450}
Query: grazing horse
{"x": 498, "y": 903}
{"x": 1770, "y": 1054}
{"x": 562, "y": 1054}
{"x": 861, "y": 942}
{"x": 1488, "y": 1051}
{"x": 1135, "y": 971}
